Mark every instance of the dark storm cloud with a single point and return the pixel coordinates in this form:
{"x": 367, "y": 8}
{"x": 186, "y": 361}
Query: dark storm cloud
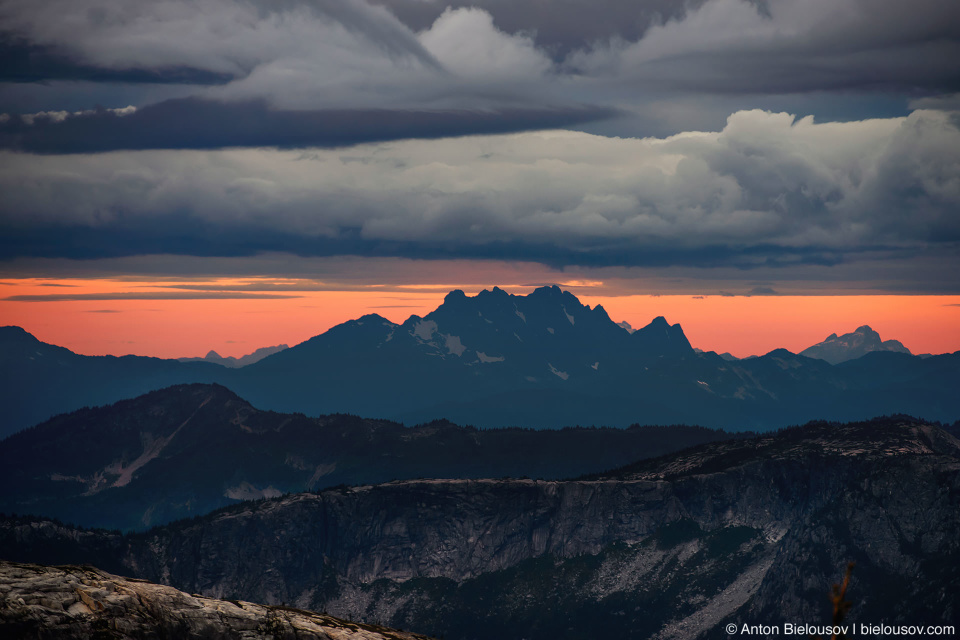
{"x": 201, "y": 124}
{"x": 187, "y": 235}
{"x": 924, "y": 68}
{"x": 351, "y": 54}
{"x": 219, "y": 36}
{"x": 24, "y": 62}
{"x": 726, "y": 46}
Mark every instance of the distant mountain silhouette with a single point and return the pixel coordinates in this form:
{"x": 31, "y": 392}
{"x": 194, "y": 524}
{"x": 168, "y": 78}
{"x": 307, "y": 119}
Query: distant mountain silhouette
{"x": 662, "y": 339}
{"x": 836, "y": 349}
{"x": 235, "y": 363}
{"x": 39, "y": 380}
{"x": 496, "y": 359}
{"x": 188, "y": 449}
{"x": 729, "y": 357}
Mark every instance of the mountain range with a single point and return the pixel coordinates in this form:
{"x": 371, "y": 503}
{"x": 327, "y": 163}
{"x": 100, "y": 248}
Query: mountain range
{"x": 235, "y": 363}
{"x": 186, "y": 450}
{"x": 735, "y": 532}
{"x": 495, "y": 359}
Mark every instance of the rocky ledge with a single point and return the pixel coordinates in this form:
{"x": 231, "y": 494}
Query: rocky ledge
{"x": 38, "y": 601}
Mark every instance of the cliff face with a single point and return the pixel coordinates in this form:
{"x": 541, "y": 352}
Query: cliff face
{"x": 748, "y": 531}
{"x": 82, "y": 602}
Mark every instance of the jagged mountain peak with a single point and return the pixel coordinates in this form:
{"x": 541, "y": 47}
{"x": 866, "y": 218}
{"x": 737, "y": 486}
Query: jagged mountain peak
{"x": 600, "y": 312}
{"x": 495, "y": 293}
{"x": 549, "y": 303}
{"x": 454, "y": 297}
{"x": 661, "y": 338}
{"x": 836, "y": 349}
{"x": 553, "y": 294}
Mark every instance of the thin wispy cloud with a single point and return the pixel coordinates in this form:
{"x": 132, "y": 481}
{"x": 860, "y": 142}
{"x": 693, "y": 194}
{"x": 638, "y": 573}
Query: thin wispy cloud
{"x": 142, "y": 295}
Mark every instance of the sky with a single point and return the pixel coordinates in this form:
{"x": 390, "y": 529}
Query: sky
{"x": 179, "y": 176}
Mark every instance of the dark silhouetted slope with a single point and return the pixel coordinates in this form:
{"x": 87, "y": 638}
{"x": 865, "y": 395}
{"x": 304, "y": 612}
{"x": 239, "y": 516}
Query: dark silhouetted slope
{"x": 39, "y": 380}
{"x": 186, "y": 450}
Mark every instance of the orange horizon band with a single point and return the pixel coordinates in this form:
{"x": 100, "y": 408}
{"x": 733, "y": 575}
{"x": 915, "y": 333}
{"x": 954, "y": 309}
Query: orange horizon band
{"x": 171, "y": 328}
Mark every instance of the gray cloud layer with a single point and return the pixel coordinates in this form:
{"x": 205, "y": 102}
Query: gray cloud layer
{"x": 767, "y": 190}
{"x": 231, "y": 86}
{"x": 402, "y": 55}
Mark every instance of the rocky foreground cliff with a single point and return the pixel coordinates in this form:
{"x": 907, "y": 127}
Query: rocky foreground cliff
{"x": 68, "y": 602}
{"x": 752, "y": 531}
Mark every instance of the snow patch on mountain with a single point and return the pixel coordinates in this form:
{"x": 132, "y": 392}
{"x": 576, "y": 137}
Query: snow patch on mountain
{"x": 563, "y": 375}
{"x": 152, "y": 450}
{"x": 482, "y": 357}
{"x": 425, "y": 329}
{"x": 454, "y": 345}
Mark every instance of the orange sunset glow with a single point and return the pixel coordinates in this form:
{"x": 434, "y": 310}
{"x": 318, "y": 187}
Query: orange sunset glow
{"x": 236, "y": 316}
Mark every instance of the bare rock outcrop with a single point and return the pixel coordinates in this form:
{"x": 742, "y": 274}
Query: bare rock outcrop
{"x": 37, "y": 601}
